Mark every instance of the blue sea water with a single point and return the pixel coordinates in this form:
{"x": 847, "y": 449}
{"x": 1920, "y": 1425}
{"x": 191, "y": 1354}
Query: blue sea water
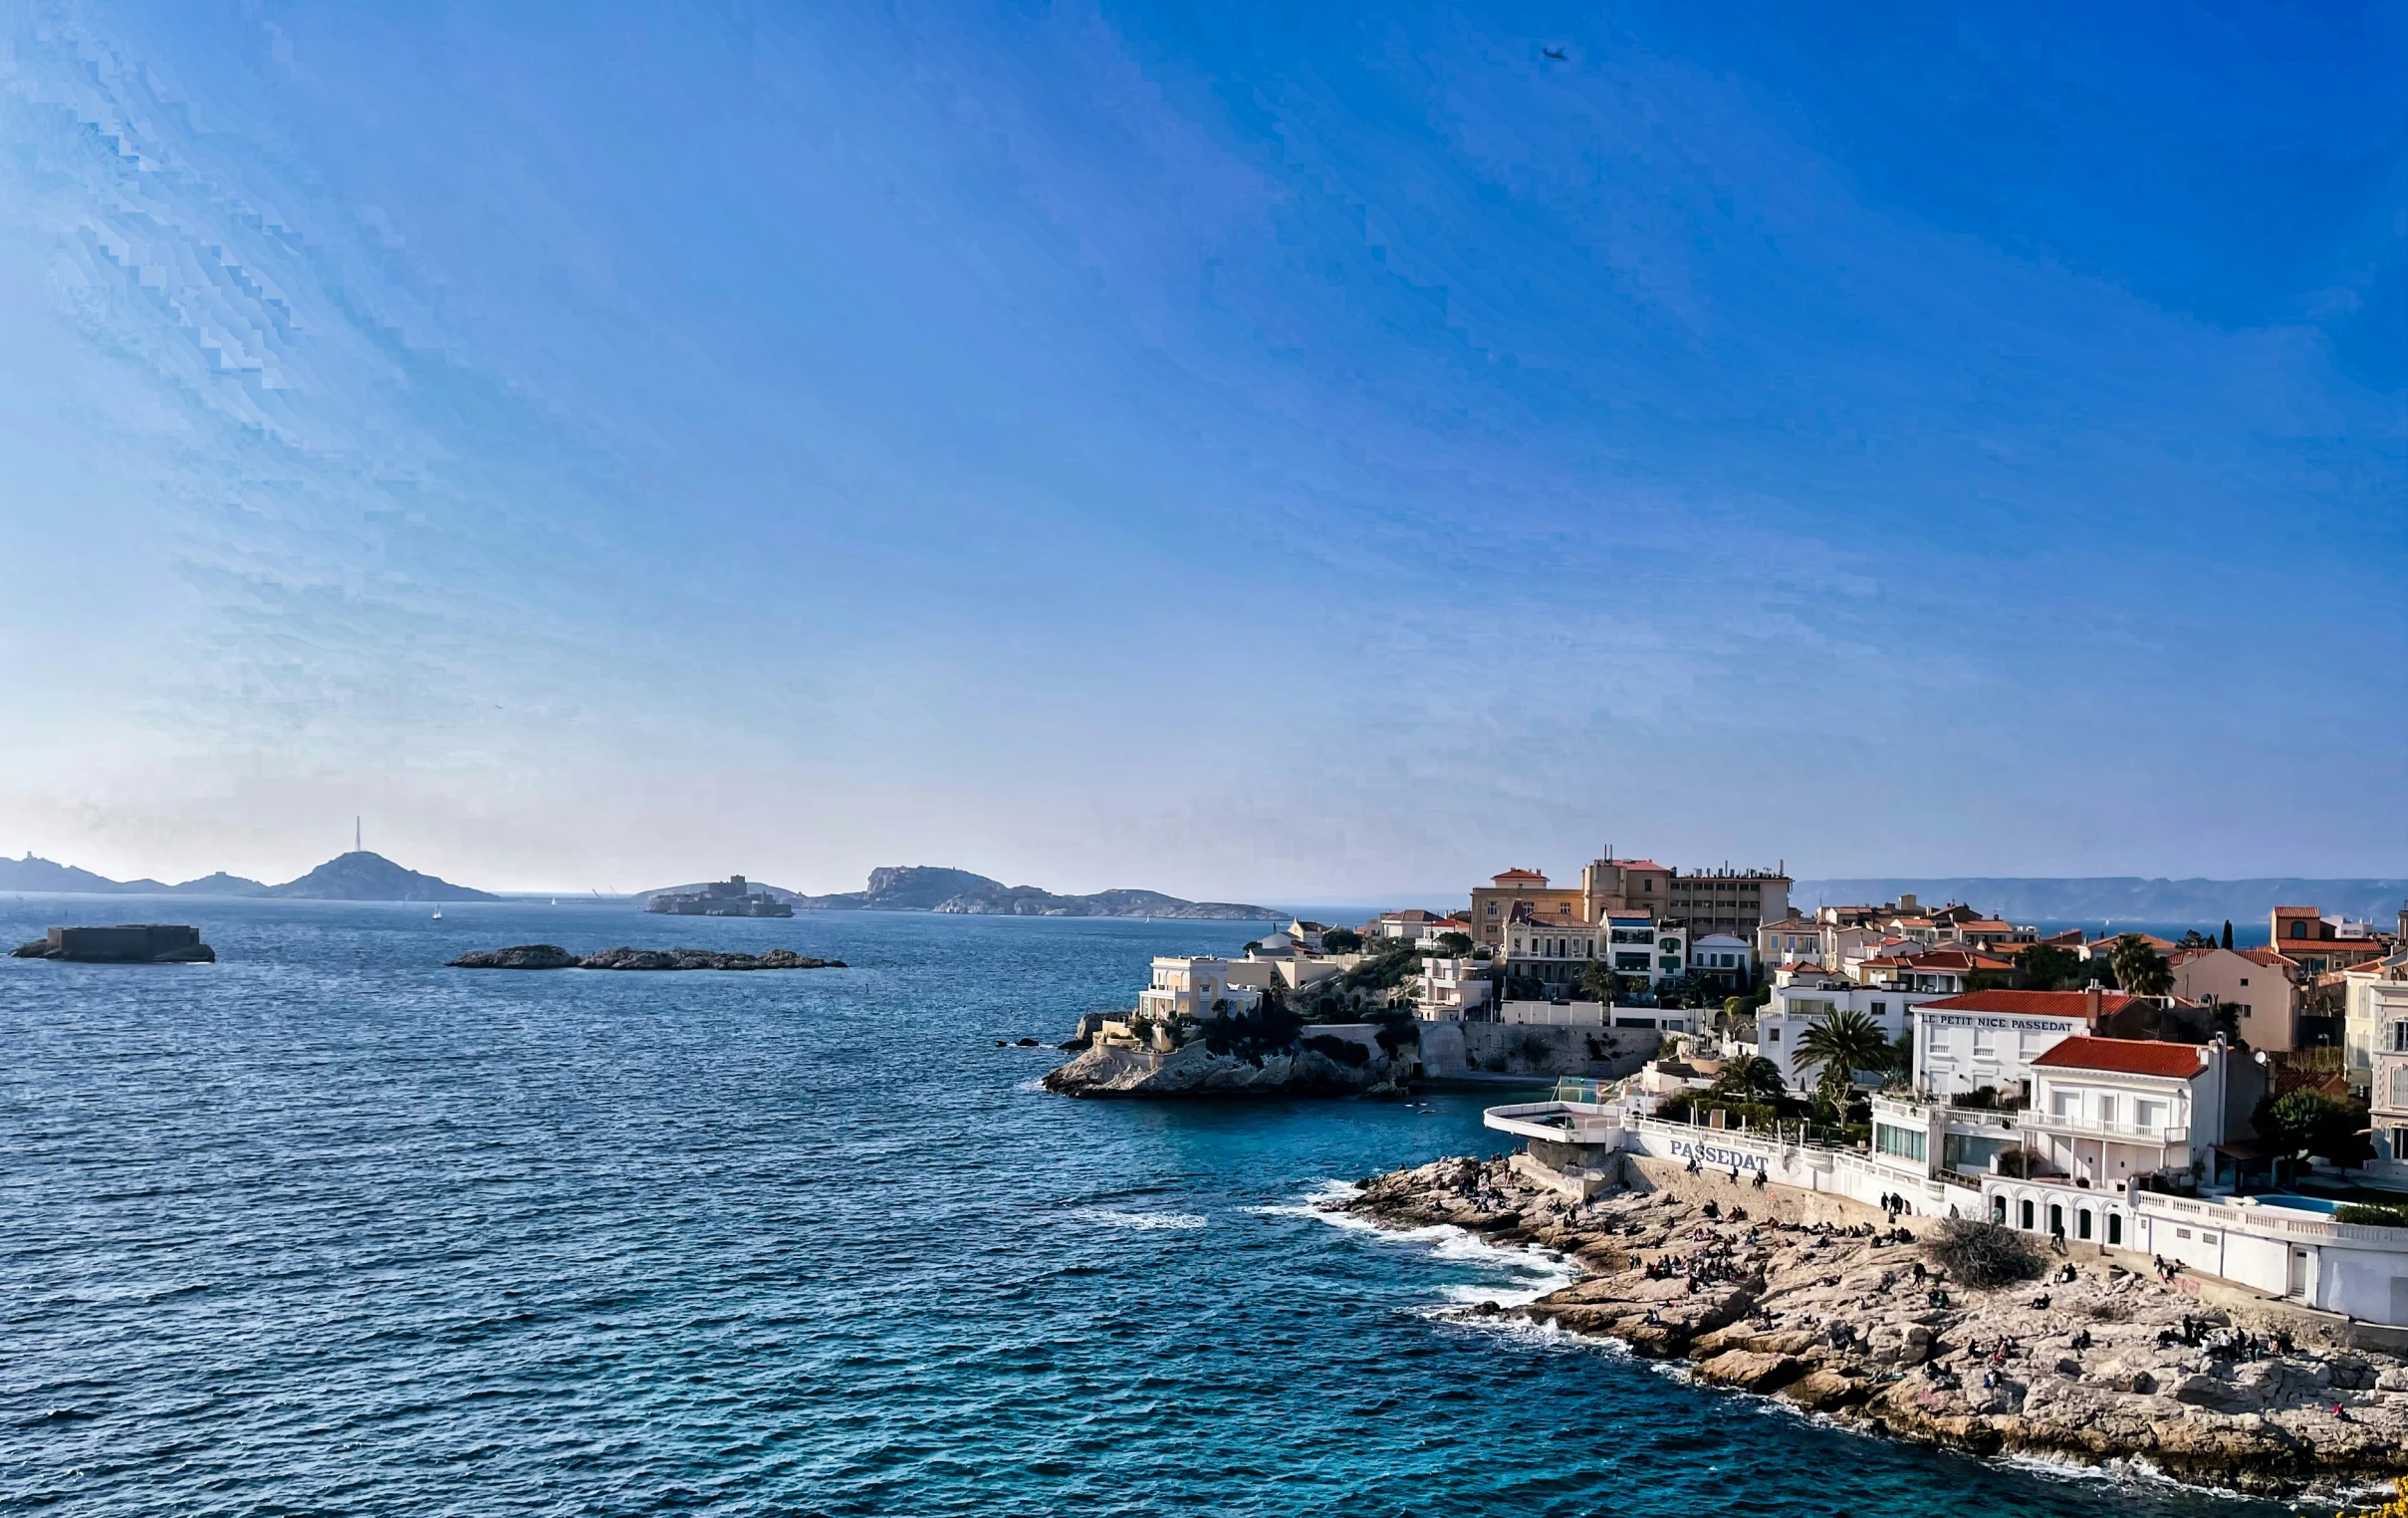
{"x": 328, "y": 1228}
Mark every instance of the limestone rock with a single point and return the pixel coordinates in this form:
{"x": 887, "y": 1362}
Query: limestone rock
{"x": 518, "y": 956}
{"x": 1750, "y": 1371}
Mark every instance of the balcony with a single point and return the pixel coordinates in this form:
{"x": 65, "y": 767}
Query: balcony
{"x": 2160, "y": 1135}
{"x": 1559, "y": 1121}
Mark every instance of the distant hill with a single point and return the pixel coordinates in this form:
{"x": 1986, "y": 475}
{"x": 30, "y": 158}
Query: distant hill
{"x": 2123, "y": 899}
{"x": 366, "y": 877}
{"x": 932, "y": 889}
{"x": 361, "y": 877}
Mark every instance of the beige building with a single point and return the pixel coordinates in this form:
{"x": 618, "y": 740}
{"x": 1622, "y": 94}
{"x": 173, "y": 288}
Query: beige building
{"x": 2256, "y": 983}
{"x": 1713, "y": 902}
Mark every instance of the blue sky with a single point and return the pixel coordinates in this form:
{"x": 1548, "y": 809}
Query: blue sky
{"x": 1247, "y": 450}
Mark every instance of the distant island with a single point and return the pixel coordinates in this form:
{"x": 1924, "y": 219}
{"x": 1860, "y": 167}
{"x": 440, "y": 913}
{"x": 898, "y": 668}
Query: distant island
{"x": 360, "y": 875}
{"x": 933, "y": 889}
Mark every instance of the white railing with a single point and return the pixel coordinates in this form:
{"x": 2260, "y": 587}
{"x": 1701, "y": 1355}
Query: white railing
{"x": 2161, "y": 1134}
{"x": 1558, "y": 1122}
{"x": 2263, "y": 1218}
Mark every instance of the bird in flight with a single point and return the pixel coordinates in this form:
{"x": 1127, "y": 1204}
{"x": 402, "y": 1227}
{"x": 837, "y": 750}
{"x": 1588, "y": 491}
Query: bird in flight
{"x": 1551, "y": 53}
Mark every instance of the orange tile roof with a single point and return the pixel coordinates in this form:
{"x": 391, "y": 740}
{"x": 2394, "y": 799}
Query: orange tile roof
{"x": 2033, "y": 1003}
{"x": 2125, "y": 1056}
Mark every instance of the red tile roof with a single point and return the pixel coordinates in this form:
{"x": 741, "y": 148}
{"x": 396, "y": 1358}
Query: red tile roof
{"x": 2033, "y": 1003}
{"x": 2125, "y": 1056}
{"x": 1519, "y": 875}
{"x": 1640, "y": 864}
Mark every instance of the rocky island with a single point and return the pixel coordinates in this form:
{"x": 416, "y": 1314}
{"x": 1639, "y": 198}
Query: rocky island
{"x": 1314, "y": 1060}
{"x": 933, "y": 889}
{"x": 1935, "y": 1331}
{"x": 127, "y": 943}
{"x": 550, "y": 956}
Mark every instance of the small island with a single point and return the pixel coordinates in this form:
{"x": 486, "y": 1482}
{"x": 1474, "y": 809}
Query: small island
{"x": 550, "y": 956}
{"x": 125, "y": 943}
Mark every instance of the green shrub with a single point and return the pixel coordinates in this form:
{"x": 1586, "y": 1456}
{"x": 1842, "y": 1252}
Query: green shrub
{"x": 2373, "y": 1214}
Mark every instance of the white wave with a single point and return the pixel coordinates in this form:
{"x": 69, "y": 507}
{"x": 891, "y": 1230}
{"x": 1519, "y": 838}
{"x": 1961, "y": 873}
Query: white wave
{"x": 1112, "y": 1219}
{"x": 1531, "y": 1272}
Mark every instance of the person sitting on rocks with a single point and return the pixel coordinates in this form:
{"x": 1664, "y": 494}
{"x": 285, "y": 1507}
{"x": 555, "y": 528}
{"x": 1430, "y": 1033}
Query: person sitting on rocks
{"x": 1759, "y": 1181}
{"x": 2040, "y": 1302}
{"x": 1920, "y": 1272}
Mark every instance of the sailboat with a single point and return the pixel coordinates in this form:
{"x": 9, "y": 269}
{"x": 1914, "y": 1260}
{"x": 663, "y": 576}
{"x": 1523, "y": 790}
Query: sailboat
{"x": 438, "y": 914}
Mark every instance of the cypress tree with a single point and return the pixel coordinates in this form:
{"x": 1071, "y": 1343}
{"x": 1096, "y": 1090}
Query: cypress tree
{"x": 2227, "y": 932}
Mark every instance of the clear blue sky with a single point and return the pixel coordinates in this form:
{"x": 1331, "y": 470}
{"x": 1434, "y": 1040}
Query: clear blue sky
{"x": 1279, "y": 451}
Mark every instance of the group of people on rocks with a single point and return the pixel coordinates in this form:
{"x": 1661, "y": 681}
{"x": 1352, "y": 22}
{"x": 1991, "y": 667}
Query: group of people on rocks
{"x": 1896, "y": 1205}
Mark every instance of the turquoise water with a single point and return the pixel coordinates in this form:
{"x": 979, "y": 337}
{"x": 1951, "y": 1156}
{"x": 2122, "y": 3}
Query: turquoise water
{"x": 327, "y": 1228}
{"x": 2303, "y": 1204}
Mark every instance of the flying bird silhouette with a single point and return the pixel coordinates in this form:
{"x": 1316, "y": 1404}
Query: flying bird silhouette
{"x": 1551, "y": 53}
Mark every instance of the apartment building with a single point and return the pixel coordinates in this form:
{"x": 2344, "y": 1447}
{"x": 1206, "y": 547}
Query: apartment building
{"x": 1707, "y": 901}
{"x": 2256, "y": 983}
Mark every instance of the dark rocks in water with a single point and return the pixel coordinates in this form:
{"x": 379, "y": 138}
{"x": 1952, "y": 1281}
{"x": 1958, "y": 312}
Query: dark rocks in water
{"x": 521, "y": 956}
{"x": 125, "y": 943}
{"x": 550, "y": 956}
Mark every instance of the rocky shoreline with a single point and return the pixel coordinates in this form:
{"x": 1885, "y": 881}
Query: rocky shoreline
{"x": 1314, "y": 1065}
{"x": 1817, "y": 1300}
{"x": 550, "y": 956}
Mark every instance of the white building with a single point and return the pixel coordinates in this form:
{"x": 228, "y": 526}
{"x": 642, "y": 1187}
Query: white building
{"x": 1192, "y": 989}
{"x": 2370, "y": 998}
{"x": 2375, "y": 1016}
{"x": 1632, "y": 945}
{"x": 2106, "y": 1109}
{"x": 1723, "y": 959}
{"x": 1989, "y": 1037}
{"x": 1796, "y": 1007}
{"x": 1452, "y": 991}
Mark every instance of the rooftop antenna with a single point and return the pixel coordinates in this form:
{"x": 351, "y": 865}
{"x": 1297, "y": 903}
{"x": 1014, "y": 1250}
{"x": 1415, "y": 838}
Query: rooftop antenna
{"x": 354, "y": 835}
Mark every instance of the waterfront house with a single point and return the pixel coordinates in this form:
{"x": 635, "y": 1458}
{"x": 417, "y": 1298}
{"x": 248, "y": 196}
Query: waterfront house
{"x": 1454, "y": 990}
{"x": 2375, "y": 1032}
{"x": 2106, "y": 1109}
{"x": 1806, "y": 1000}
{"x": 1722, "y": 960}
{"x": 1192, "y": 989}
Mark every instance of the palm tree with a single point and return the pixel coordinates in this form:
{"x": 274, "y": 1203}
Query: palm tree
{"x": 2139, "y": 969}
{"x": 1749, "y": 1077}
{"x": 1599, "y": 981}
{"x": 1843, "y": 1044}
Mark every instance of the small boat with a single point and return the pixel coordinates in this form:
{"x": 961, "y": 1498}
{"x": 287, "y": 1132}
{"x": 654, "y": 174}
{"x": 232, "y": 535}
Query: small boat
{"x": 438, "y": 914}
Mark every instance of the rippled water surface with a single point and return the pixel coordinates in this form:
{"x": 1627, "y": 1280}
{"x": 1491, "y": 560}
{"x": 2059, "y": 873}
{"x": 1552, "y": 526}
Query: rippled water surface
{"x": 325, "y": 1227}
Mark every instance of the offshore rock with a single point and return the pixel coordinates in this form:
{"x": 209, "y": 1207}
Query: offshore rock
{"x": 703, "y": 959}
{"x": 1195, "y": 1071}
{"x": 518, "y": 956}
{"x": 550, "y": 956}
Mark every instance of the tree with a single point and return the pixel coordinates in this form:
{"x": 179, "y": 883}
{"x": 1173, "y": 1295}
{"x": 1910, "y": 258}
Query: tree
{"x": 2139, "y": 969}
{"x": 1342, "y": 940}
{"x": 2046, "y": 967}
{"x": 1840, "y": 1045}
{"x": 2192, "y": 939}
{"x": 1597, "y": 982}
{"x": 1457, "y": 944}
{"x": 2227, "y": 932}
{"x": 1749, "y": 1077}
{"x": 2307, "y": 1120}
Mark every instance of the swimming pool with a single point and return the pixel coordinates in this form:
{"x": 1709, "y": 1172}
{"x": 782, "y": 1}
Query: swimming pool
{"x": 2303, "y": 1204}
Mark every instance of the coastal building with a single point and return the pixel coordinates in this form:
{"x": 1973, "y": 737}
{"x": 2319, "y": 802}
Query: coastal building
{"x": 2318, "y": 943}
{"x": 1990, "y": 1040}
{"x": 2374, "y": 1049}
{"x": 2254, "y": 983}
{"x": 1454, "y": 990}
{"x": 2106, "y": 1109}
{"x": 1707, "y": 902}
{"x": 1194, "y": 988}
{"x": 1940, "y": 972}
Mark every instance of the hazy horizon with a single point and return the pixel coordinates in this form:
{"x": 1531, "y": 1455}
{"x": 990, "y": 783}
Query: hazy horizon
{"x": 1250, "y": 452}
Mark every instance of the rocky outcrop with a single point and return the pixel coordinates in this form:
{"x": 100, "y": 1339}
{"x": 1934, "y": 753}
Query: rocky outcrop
{"x": 2106, "y": 1364}
{"x": 550, "y": 956}
{"x": 124, "y": 944}
{"x": 518, "y": 956}
{"x": 1322, "y": 1062}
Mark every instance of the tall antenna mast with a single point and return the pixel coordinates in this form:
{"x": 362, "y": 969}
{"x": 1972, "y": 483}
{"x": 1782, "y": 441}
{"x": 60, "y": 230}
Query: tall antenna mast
{"x": 354, "y": 835}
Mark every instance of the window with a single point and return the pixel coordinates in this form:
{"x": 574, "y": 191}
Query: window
{"x": 2147, "y": 1113}
{"x": 2064, "y": 1103}
{"x": 2057, "y": 1220}
{"x": 1998, "y": 1209}
{"x": 1772, "y": 1035}
{"x": 1905, "y": 1142}
{"x": 2027, "y": 1223}
{"x": 2082, "y": 1223}
{"x": 1882, "y": 1009}
{"x": 2399, "y": 1038}
{"x": 2106, "y": 1108}
{"x": 2115, "y": 1231}
{"x": 2299, "y": 930}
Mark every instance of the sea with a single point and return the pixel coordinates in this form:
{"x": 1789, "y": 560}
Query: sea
{"x": 328, "y": 1228}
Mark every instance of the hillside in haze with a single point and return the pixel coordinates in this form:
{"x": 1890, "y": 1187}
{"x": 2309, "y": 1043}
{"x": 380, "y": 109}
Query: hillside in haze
{"x": 2122, "y": 897}
{"x": 356, "y": 876}
{"x": 929, "y": 888}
